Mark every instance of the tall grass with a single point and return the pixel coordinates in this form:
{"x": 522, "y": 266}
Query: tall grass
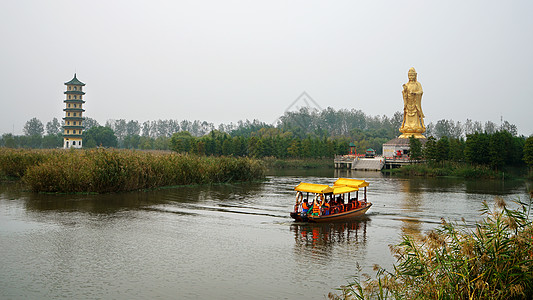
{"x": 492, "y": 261}
{"x": 14, "y": 162}
{"x": 100, "y": 170}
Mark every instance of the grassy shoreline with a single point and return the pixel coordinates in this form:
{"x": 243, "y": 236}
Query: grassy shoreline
{"x": 462, "y": 170}
{"x": 104, "y": 170}
{"x": 298, "y": 163}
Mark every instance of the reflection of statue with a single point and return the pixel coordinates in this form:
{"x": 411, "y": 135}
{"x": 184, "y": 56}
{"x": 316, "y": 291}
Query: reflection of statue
{"x": 413, "y": 117}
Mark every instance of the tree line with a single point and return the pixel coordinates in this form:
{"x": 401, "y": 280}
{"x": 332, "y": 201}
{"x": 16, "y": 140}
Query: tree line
{"x": 303, "y": 133}
{"x": 496, "y": 150}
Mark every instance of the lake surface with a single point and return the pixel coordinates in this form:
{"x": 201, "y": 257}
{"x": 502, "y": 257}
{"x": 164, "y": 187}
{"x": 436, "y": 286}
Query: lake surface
{"x": 232, "y": 241}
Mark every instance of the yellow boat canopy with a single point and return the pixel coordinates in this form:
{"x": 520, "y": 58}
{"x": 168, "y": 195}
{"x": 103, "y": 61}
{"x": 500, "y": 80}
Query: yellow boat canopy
{"x": 313, "y": 188}
{"x": 356, "y": 183}
{"x": 324, "y": 189}
{"x": 343, "y": 189}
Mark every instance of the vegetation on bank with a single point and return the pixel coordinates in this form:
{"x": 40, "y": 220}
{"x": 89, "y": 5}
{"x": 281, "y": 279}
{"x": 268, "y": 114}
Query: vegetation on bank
{"x": 481, "y": 155}
{"x": 448, "y": 169}
{"x": 295, "y": 163}
{"x": 492, "y": 261}
{"x": 101, "y": 170}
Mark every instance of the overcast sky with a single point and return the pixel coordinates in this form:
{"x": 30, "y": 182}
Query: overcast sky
{"x": 224, "y": 61}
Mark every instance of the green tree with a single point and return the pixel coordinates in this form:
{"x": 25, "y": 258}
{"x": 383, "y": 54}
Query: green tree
{"x": 294, "y": 148}
{"x": 100, "y": 136}
{"x": 34, "y": 127}
{"x": 477, "y": 148}
{"x": 499, "y": 148}
{"x": 457, "y": 147}
{"x": 415, "y": 147}
{"x": 443, "y": 149}
{"x": 528, "y": 152}
{"x": 430, "y": 149}
{"x": 53, "y": 127}
{"x": 51, "y": 141}
{"x": 181, "y": 142}
{"x": 9, "y": 140}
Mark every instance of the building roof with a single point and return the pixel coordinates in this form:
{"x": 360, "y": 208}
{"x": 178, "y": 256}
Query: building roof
{"x": 74, "y": 81}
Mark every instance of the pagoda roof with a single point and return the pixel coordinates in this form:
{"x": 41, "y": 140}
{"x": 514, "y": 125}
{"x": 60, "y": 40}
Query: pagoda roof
{"x": 74, "y": 81}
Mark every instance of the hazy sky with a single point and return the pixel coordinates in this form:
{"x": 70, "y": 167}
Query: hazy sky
{"x": 224, "y": 61}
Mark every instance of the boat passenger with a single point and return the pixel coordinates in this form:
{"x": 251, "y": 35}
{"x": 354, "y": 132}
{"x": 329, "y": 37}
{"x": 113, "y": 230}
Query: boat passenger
{"x": 305, "y": 207}
{"x": 316, "y": 208}
{"x": 326, "y": 208}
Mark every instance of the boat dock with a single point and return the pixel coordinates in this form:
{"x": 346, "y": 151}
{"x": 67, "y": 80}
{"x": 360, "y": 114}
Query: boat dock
{"x": 359, "y": 163}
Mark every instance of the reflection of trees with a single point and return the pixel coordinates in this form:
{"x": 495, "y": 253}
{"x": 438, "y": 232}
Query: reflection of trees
{"x": 114, "y": 202}
{"x": 312, "y": 238}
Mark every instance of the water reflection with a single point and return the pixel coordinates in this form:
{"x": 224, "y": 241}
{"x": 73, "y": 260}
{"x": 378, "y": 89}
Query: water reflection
{"x": 328, "y": 234}
{"x": 115, "y": 202}
{"x": 319, "y": 241}
{"x": 411, "y": 203}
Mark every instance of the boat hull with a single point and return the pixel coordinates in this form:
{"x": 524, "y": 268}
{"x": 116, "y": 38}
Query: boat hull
{"x": 333, "y": 217}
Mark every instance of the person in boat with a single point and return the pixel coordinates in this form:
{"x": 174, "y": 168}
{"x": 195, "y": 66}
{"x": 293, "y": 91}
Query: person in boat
{"x": 316, "y": 208}
{"x": 305, "y": 207}
{"x": 326, "y": 208}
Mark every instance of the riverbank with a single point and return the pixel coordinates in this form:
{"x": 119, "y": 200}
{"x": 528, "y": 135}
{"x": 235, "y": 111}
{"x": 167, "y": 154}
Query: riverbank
{"x": 462, "y": 170}
{"x": 104, "y": 170}
{"x": 298, "y": 163}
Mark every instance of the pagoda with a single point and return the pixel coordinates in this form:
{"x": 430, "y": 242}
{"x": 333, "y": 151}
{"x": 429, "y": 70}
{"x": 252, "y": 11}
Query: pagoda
{"x": 73, "y": 128}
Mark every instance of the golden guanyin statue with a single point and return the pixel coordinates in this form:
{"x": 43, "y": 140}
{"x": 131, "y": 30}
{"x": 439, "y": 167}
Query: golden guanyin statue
{"x": 413, "y": 117}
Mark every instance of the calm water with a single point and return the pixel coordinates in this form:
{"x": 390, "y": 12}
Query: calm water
{"x": 217, "y": 242}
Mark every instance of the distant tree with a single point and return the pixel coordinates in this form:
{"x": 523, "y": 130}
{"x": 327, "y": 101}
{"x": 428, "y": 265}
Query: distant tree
{"x": 53, "y": 127}
{"x": 133, "y": 128}
{"x": 430, "y": 149}
{"x": 34, "y": 127}
{"x": 51, "y": 141}
{"x": 100, "y": 136}
{"x": 448, "y": 128}
{"x": 457, "y": 147}
{"x": 146, "y": 129}
{"x": 8, "y": 140}
{"x": 181, "y": 142}
{"x": 512, "y": 129}
{"x": 477, "y": 148}
{"x": 161, "y": 143}
{"x": 415, "y": 147}
{"x": 528, "y": 152}
{"x": 227, "y": 147}
{"x": 490, "y": 127}
{"x": 443, "y": 149}
{"x": 131, "y": 141}
{"x": 89, "y": 123}
{"x": 146, "y": 143}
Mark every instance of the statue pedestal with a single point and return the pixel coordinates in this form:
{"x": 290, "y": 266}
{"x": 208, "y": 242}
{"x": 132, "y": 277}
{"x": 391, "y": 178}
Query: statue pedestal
{"x": 407, "y": 135}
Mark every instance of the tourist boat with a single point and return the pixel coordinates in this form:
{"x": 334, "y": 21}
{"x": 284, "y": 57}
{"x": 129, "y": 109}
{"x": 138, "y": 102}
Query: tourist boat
{"x": 330, "y": 203}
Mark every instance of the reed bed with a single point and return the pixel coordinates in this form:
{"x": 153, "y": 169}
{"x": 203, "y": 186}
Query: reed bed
{"x": 15, "y": 162}
{"x": 492, "y": 261}
{"x": 102, "y": 171}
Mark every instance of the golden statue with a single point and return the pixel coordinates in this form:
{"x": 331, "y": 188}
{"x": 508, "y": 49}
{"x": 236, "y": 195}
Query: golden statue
{"x": 413, "y": 117}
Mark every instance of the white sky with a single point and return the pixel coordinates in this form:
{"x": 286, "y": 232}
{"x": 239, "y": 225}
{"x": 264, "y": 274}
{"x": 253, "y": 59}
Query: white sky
{"x": 224, "y": 61}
